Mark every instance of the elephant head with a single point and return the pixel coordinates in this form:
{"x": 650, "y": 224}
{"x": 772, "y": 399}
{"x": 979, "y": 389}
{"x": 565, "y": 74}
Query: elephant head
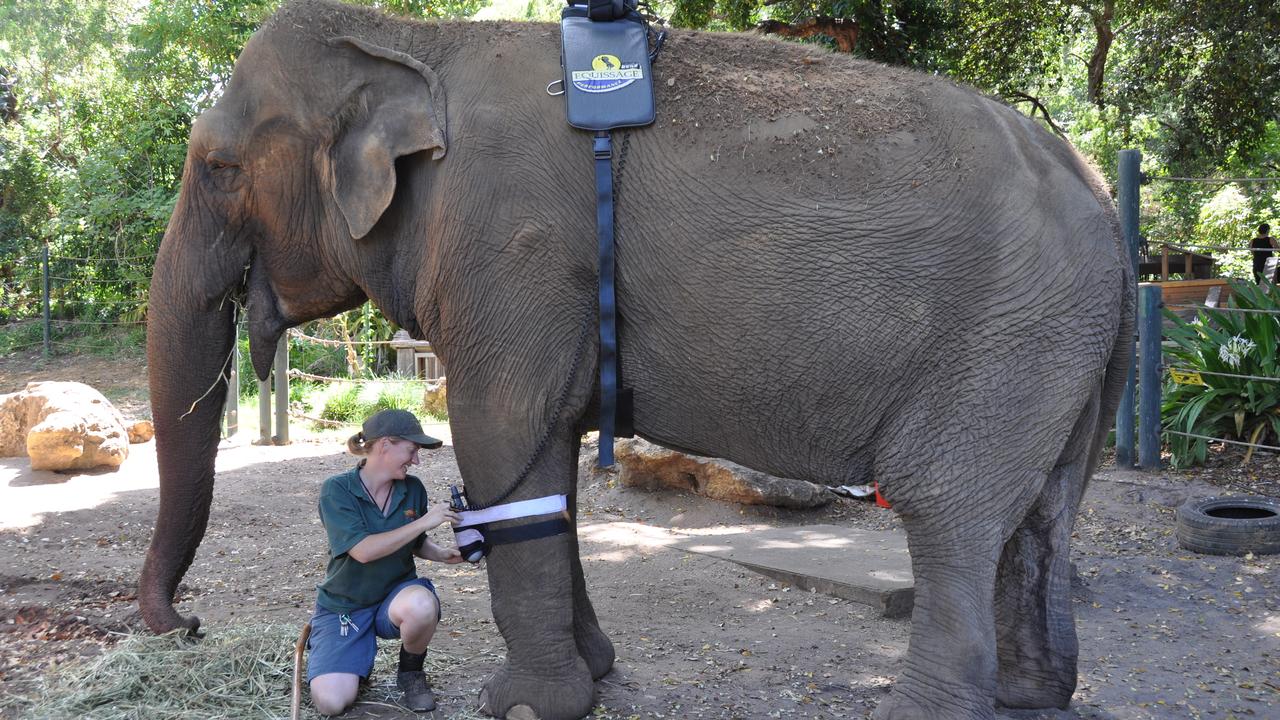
{"x": 283, "y": 187}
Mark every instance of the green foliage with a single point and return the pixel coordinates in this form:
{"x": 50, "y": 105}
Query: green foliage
{"x": 28, "y": 336}
{"x": 344, "y": 405}
{"x": 1226, "y": 220}
{"x": 352, "y": 403}
{"x": 1225, "y": 343}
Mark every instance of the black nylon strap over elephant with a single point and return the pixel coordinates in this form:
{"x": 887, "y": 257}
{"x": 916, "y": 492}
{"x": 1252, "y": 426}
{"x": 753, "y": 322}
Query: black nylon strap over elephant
{"x": 607, "y": 78}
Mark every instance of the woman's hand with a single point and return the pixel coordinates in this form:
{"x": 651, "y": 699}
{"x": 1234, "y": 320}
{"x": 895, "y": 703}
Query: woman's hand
{"x": 438, "y": 515}
{"x": 435, "y": 553}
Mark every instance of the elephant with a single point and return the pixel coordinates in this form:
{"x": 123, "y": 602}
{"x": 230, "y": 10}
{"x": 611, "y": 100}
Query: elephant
{"x": 827, "y": 269}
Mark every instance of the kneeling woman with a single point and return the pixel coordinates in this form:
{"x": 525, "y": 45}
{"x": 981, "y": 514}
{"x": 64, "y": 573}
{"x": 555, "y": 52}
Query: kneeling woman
{"x": 375, "y": 516}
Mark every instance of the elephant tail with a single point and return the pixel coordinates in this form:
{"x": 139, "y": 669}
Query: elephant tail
{"x": 1117, "y": 371}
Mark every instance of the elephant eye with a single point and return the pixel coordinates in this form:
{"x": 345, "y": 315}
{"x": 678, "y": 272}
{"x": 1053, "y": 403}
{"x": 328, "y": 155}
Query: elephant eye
{"x": 220, "y": 160}
{"x": 224, "y": 171}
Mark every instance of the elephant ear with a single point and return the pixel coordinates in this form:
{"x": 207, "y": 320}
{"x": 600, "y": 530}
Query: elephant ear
{"x": 389, "y": 114}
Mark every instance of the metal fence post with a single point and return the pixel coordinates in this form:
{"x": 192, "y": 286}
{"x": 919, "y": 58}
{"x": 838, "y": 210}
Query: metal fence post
{"x": 282, "y": 391}
{"x": 1127, "y": 197}
{"x": 232, "y": 406}
{"x": 44, "y": 269}
{"x": 1149, "y": 394}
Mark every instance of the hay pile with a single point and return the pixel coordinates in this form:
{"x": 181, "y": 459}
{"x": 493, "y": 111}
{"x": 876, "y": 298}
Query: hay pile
{"x": 241, "y": 671}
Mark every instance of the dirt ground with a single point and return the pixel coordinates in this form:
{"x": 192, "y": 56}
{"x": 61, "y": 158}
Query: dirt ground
{"x": 1163, "y": 633}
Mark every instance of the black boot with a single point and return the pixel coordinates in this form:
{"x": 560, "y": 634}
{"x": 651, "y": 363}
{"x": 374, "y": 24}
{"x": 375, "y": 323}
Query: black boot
{"x": 412, "y": 681}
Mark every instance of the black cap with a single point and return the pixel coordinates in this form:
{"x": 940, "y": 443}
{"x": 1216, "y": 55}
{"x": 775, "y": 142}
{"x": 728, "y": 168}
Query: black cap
{"x": 399, "y": 424}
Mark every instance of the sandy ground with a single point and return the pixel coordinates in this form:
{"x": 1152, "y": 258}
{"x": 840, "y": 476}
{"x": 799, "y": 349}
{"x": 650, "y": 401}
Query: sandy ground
{"x": 1163, "y": 633}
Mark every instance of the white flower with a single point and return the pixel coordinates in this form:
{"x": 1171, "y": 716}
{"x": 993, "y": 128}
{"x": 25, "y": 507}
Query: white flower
{"x": 1234, "y": 350}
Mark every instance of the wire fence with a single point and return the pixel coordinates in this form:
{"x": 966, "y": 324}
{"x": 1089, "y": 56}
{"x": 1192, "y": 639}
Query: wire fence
{"x": 1182, "y": 374}
{"x": 1209, "y": 180}
{"x": 1240, "y": 393}
{"x": 416, "y": 365}
{"x": 79, "y": 303}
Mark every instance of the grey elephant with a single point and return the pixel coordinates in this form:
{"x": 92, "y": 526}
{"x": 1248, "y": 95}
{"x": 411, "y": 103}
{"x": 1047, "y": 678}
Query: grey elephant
{"x": 827, "y": 269}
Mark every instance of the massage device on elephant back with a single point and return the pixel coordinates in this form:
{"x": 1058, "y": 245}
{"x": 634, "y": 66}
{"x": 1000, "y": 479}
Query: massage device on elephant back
{"x": 470, "y": 540}
{"x": 604, "y": 52}
{"x": 607, "y": 81}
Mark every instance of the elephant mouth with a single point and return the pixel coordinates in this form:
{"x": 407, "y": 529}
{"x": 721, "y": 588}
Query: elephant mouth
{"x": 266, "y": 322}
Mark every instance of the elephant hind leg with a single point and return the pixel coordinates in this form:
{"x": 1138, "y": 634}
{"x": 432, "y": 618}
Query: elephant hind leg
{"x": 1035, "y": 626}
{"x": 951, "y": 665}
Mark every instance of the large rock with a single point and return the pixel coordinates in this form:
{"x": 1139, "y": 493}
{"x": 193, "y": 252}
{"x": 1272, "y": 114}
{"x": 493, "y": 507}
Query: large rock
{"x": 648, "y": 466}
{"x": 434, "y": 399}
{"x": 62, "y": 426}
{"x": 141, "y": 431}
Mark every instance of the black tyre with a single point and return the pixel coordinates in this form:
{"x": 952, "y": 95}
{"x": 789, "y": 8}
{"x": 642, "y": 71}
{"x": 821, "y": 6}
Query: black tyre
{"x": 1230, "y": 525}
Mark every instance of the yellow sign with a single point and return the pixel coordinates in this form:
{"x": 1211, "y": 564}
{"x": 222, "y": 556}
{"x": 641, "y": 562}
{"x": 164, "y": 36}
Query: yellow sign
{"x": 1187, "y": 377}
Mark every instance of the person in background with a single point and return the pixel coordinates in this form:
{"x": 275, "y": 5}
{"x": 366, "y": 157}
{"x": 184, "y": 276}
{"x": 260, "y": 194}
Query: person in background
{"x": 375, "y": 516}
{"x": 1262, "y": 247}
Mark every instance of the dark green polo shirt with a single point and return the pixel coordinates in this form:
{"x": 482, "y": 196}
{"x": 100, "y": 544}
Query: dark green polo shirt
{"x": 349, "y": 516}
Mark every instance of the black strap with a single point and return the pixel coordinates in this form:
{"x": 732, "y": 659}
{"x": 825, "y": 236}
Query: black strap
{"x": 603, "y": 150}
{"x": 521, "y": 533}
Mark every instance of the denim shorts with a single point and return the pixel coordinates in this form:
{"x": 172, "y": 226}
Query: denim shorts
{"x": 333, "y": 650}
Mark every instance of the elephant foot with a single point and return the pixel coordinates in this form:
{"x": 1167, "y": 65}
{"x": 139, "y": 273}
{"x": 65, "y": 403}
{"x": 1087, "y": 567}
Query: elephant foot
{"x": 514, "y": 695}
{"x": 898, "y": 706}
{"x": 595, "y": 648}
{"x": 1035, "y": 692}
{"x": 161, "y": 618}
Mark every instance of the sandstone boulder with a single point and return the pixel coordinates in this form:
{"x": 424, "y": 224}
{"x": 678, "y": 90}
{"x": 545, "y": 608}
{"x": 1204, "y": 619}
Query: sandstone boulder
{"x": 141, "y": 431}
{"x": 651, "y": 467}
{"x": 433, "y": 399}
{"x": 62, "y": 426}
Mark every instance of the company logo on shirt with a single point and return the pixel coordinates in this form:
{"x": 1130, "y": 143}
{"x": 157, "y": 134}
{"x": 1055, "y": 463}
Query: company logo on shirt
{"x": 410, "y": 513}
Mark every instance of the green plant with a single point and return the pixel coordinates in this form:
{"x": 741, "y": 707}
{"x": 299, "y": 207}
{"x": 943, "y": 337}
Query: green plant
{"x": 343, "y": 405}
{"x": 353, "y": 403}
{"x": 27, "y": 335}
{"x": 1234, "y": 353}
{"x": 394, "y": 393}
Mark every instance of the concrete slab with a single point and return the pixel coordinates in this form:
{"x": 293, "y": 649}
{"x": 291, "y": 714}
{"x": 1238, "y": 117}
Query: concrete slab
{"x": 868, "y": 567}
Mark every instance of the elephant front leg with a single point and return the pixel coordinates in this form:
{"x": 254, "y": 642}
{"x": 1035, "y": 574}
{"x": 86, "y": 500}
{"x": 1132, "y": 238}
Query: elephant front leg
{"x": 533, "y": 604}
{"x": 532, "y": 581}
{"x": 593, "y": 645}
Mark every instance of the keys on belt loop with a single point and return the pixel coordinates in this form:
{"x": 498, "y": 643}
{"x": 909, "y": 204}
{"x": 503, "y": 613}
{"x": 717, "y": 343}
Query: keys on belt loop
{"x": 343, "y": 621}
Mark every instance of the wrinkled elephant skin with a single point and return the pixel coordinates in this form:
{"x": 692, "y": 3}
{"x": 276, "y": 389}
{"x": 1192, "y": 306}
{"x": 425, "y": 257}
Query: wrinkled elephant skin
{"x": 828, "y": 270}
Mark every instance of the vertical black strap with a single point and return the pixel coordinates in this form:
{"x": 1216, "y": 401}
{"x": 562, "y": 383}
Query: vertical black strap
{"x": 603, "y": 147}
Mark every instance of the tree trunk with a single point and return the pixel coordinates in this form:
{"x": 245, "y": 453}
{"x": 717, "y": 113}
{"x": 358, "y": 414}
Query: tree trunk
{"x": 1097, "y": 64}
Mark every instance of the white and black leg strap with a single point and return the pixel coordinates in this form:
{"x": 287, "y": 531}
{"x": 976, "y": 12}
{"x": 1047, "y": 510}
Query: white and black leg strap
{"x": 552, "y": 509}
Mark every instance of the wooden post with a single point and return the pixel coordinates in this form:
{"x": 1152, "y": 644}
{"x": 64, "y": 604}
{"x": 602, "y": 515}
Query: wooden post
{"x": 264, "y": 412}
{"x": 1150, "y": 325}
{"x": 231, "y": 407}
{"x": 1127, "y": 197}
{"x": 282, "y": 391}
{"x": 44, "y": 269}
{"x": 404, "y": 345}
{"x": 1164, "y": 262}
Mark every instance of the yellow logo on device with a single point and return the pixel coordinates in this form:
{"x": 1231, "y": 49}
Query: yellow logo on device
{"x": 606, "y": 62}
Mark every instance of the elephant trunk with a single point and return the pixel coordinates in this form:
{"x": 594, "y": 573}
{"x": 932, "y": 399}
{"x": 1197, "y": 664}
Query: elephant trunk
{"x": 190, "y": 337}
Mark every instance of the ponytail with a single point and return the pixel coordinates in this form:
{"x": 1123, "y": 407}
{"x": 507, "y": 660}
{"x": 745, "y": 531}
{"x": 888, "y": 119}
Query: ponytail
{"x": 358, "y": 445}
